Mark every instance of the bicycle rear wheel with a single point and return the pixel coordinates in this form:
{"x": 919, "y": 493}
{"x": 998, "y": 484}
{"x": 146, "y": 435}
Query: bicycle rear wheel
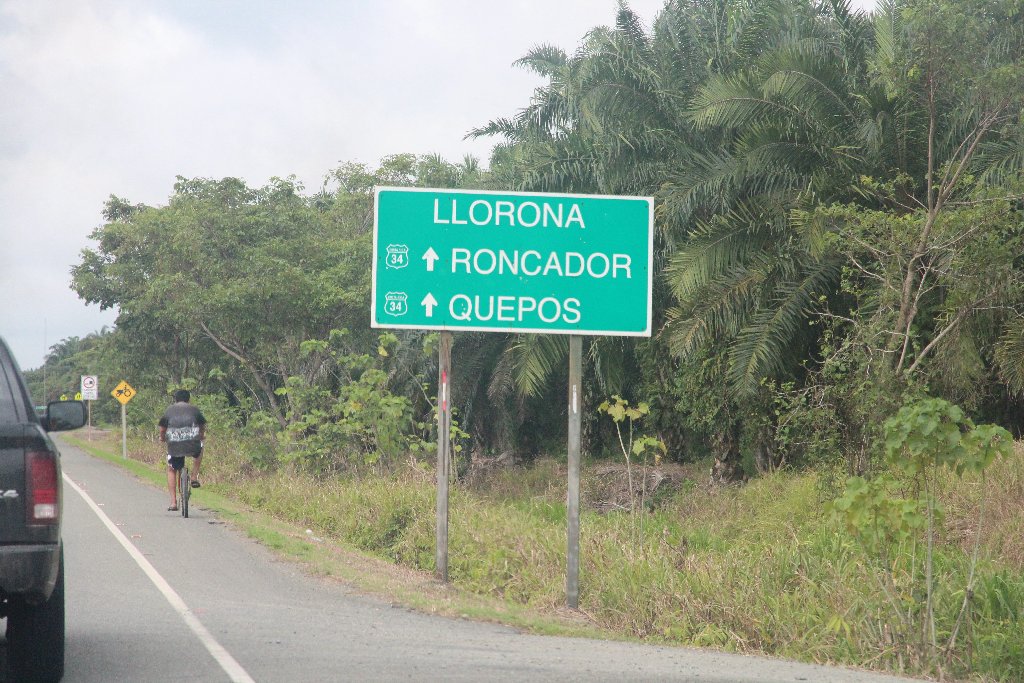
{"x": 185, "y": 488}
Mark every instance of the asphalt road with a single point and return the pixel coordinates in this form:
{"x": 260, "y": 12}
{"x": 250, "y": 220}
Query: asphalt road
{"x": 154, "y": 597}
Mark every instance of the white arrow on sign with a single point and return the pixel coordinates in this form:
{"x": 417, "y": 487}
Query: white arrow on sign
{"x": 431, "y": 258}
{"x": 429, "y": 301}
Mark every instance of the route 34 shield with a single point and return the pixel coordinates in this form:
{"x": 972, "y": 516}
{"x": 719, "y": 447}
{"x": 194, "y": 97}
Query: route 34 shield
{"x": 396, "y": 303}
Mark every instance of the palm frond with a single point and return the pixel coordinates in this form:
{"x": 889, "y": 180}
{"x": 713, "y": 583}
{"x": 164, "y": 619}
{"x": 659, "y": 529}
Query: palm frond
{"x": 716, "y": 248}
{"x": 502, "y": 384}
{"x": 891, "y": 53}
{"x": 811, "y": 91}
{"x": 544, "y": 60}
{"x": 761, "y": 348}
{"x": 720, "y": 309}
{"x": 1001, "y": 161}
{"x": 534, "y": 359}
{"x": 730, "y": 102}
{"x": 1010, "y": 355}
{"x": 504, "y": 127}
{"x": 608, "y": 357}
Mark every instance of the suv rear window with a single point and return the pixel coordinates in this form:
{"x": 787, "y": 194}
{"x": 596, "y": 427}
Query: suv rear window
{"x": 12, "y": 397}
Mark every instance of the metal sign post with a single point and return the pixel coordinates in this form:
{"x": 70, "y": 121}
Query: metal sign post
{"x": 444, "y": 446}
{"x": 572, "y": 580}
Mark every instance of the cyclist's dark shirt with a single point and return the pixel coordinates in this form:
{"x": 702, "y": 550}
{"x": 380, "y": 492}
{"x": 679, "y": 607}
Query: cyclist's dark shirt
{"x": 183, "y": 421}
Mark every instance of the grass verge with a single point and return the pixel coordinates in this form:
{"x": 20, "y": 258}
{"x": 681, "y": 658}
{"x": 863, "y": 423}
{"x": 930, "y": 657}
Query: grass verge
{"x": 332, "y": 557}
{"x": 758, "y": 569}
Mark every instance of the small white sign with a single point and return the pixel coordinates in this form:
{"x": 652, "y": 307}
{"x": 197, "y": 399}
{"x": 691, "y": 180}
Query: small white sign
{"x": 90, "y": 388}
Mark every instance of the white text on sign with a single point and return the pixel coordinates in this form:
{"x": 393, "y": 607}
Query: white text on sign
{"x": 531, "y": 262}
{"x": 500, "y": 212}
{"x": 476, "y": 308}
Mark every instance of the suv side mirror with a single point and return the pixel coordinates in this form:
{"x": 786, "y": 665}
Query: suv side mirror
{"x": 64, "y": 415}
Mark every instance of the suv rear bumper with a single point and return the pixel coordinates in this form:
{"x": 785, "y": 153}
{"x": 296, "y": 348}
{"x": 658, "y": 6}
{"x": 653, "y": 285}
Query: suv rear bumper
{"x": 29, "y": 571}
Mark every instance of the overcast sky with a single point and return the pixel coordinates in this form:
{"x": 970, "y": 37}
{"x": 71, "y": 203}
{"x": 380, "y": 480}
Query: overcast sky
{"x": 102, "y": 97}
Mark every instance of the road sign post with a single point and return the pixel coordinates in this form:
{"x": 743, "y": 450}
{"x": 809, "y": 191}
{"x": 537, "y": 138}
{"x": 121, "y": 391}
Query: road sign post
{"x": 90, "y": 393}
{"x": 572, "y": 507}
{"x": 515, "y": 262}
{"x": 124, "y": 392}
{"x": 444, "y": 457}
{"x": 90, "y": 387}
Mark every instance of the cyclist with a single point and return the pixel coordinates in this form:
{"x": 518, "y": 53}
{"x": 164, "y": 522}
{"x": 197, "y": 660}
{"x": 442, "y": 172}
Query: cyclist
{"x": 182, "y": 427}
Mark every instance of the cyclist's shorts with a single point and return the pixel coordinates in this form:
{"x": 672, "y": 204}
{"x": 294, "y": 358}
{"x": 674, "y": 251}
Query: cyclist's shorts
{"x": 177, "y": 462}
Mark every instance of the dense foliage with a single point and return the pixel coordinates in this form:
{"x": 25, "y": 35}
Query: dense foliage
{"x": 837, "y": 200}
{"x": 838, "y": 227}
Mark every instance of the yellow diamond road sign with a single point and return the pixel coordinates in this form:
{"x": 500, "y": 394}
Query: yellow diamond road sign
{"x": 123, "y": 392}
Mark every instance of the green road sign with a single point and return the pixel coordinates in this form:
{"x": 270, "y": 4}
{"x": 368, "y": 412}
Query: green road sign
{"x": 512, "y": 262}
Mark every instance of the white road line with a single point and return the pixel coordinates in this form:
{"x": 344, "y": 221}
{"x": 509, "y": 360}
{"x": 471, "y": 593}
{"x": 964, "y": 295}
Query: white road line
{"x": 233, "y": 669}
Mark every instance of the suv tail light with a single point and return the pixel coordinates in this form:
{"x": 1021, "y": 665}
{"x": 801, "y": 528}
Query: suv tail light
{"x": 43, "y": 500}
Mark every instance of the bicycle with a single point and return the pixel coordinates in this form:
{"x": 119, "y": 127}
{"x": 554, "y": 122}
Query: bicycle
{"x": 184, "y": 488}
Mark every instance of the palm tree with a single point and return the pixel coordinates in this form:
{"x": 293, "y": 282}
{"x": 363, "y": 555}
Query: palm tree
{"x": 616, "y": 117}
{"x": 747, "y": 121}
{"x": 561, "y": 142}
{"x": 795, "y": 127}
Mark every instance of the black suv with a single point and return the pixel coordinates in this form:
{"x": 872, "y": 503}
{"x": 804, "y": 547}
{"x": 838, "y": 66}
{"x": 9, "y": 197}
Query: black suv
{"x": 31, "y": 553}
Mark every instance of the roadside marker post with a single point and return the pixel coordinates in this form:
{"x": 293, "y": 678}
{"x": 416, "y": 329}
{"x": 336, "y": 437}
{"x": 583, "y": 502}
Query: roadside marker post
{"x": 513, "y": 262}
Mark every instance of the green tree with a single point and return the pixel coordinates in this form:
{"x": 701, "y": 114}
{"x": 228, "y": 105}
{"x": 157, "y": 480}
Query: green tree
{"x": 251, "y": 273}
